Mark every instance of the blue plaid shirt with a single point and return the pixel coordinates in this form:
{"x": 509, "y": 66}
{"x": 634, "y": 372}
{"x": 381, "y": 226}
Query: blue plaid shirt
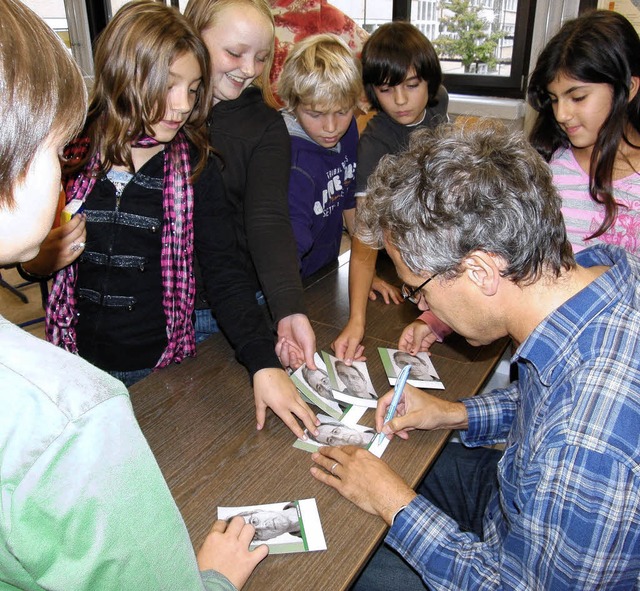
{"x": 567, "y": 512}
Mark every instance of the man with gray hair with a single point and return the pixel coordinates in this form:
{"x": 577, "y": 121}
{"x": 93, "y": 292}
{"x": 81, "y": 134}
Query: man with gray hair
{"x": 472, "y": 221}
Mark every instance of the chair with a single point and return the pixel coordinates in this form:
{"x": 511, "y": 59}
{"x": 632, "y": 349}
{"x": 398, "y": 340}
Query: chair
{"x": 15, "y": 289}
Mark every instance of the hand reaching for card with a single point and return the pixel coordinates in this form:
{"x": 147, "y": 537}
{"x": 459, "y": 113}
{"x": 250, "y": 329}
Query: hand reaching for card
{"x": 226, "y": 550}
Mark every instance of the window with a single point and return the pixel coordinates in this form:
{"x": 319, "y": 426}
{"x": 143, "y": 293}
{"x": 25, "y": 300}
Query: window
{"x": 491, "y": 61}
{"x": 495, "y": 62}
{"x": 68, "y": 19}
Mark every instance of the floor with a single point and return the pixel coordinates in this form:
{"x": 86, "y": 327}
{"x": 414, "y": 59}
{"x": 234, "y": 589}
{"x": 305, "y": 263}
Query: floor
{"x": 14, "y": 309}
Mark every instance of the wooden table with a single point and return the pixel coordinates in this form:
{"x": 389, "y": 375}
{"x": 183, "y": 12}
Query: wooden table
{"x": 199, "y": 419}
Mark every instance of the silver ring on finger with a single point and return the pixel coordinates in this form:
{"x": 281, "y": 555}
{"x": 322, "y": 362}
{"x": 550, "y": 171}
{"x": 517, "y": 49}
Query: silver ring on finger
{"x": 333, "y": 468}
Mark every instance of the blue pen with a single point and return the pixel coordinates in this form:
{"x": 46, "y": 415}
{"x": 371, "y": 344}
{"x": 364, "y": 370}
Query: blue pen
{"x": 397, "y": 393}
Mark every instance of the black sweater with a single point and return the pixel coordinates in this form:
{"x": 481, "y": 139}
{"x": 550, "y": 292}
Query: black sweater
{"x": 253, "y": 141}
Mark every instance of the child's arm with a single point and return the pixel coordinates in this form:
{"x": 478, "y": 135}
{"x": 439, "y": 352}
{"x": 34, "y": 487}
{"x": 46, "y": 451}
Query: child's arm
{"x": 231, "y": 292}
{"x": 422, "y": 333}
{"x": 266, "y": 220}
{"x": 273, "y": 388}
{"x": 362, "y": 266}
{"x": 362, "y": 277}
{"x": 271, "y": 242}
{"x": 390, "y": 293}
{"x": 296, "y": 339}
{"x": 371, "y": 148}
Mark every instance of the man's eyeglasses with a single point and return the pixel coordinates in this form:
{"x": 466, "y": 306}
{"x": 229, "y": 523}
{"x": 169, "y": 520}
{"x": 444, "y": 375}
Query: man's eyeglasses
{"x": 413, "y": 295}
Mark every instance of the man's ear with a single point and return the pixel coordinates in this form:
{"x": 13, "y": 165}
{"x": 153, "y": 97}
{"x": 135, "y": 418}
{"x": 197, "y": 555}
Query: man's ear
{"x": 633, "y": 87}
{"x": 482, "y": 270}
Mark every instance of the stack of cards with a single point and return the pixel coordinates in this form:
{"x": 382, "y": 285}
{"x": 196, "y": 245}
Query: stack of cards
{"x": 315, "y": 387}
{"x": 344, "y": 392}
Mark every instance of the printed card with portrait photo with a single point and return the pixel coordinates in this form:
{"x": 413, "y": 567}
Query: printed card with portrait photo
{"x": 333, "y": 432}
{"x": 286, "y": 527}
{"x": 350, "y": 383}
{"x": 315, "y": 387}
{"x": 422, "y": 374}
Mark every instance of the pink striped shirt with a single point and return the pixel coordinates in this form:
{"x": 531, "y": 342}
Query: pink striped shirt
{"x": 583, "y": 216}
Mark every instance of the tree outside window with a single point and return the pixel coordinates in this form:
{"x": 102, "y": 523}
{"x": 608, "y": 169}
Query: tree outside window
{"x": 467, "y": 37}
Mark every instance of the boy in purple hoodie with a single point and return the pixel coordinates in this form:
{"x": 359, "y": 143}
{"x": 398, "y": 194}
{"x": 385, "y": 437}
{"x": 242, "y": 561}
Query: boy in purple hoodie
{"x": 320, "y": 86}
